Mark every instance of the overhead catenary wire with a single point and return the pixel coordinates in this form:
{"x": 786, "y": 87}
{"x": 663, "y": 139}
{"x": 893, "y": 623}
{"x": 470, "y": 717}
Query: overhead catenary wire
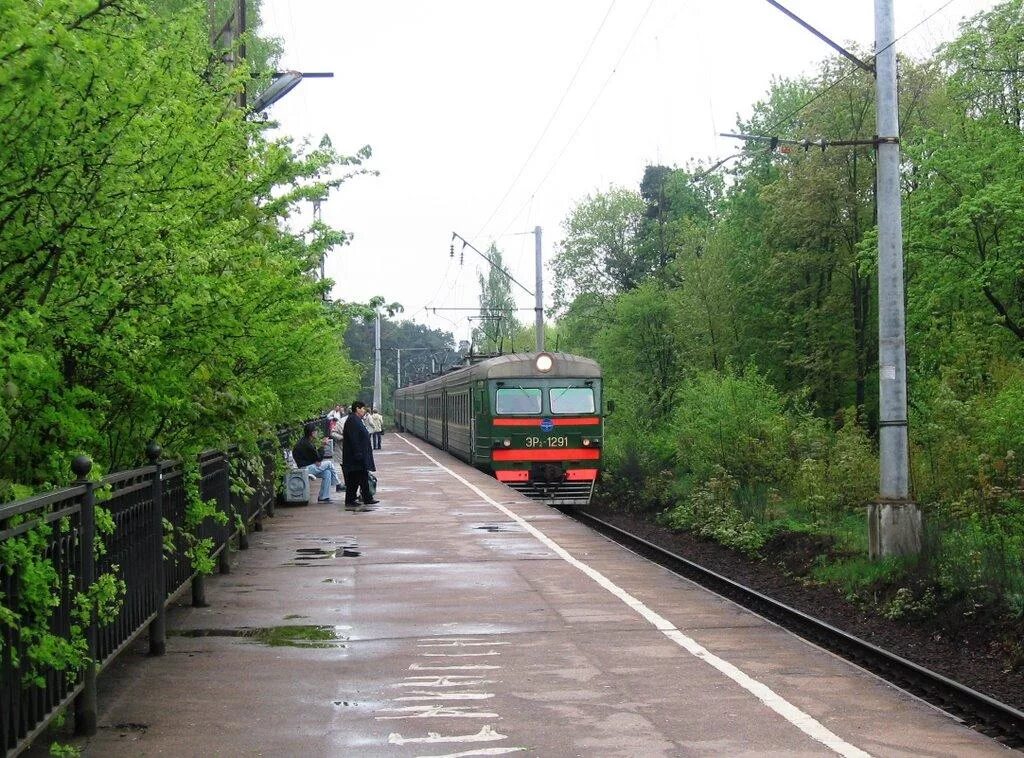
{"x": 582, "y": 121}
{"x": 821, "y": 93}
{"x": 501, "y": 269}
{"x": 834, "y": 45}
{"x": 551, "y": 119}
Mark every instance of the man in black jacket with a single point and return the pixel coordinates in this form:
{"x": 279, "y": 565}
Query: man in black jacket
{"x": 356, "y": 457}
{"x": 312, "y": 460}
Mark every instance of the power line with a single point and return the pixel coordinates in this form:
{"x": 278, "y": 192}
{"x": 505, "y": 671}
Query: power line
{"x": 852, "y": 71}
{"x": 547, "y": 126}
{"x": 501, "y": 269}
{"x": 834, "y": 45}
{"x": 585, "y": 117}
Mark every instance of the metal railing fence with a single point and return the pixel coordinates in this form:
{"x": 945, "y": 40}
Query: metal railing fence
{"x": 143, "y": 503}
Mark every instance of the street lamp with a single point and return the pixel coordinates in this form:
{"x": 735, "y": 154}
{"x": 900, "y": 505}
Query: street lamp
{"x": 284, "y": 82}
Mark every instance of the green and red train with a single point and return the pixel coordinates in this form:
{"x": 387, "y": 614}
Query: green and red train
{"x": 533, "y": 420}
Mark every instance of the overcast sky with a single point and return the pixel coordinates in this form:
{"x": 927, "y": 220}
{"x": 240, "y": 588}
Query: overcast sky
{"x": 489, "y": 119}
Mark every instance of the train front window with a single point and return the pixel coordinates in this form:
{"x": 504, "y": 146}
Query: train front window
{"x": 518, "y": 400}
{"x": 572, "y": 400}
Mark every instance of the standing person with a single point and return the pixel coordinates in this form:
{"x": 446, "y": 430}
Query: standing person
{"x": 312, "y": 460}
{"x": 335, "y": 414}
{"x": 357, "y": 457}
{"x": 376, "y": 427}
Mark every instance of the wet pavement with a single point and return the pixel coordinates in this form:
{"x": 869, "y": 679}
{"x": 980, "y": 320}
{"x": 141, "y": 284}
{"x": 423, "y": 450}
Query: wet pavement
{"x": 457, "y": 619}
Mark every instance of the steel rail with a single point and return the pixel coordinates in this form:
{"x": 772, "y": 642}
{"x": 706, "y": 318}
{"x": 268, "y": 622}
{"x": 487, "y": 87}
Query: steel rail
{"x": 977, "y": 710}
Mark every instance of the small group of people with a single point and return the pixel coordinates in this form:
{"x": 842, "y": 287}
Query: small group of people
{"x": 353, "y": 432}
{"x": 373, "y": 421}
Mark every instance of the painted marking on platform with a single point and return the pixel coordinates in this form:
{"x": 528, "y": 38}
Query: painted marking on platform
{"x": 486, "y": 734}
{"x": 427, "y": 695}
{"x": 427, "y": 684}
{"x": 434, "y": 711}
{"x": 482, "y": 751}
{"x": 441, "y": 681}
{"x": 475, "y": 667}
{"x": 798, "y": 718}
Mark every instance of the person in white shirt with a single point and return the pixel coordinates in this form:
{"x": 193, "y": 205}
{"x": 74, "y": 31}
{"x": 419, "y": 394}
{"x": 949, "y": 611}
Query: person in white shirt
{"x": 375, "y": 426}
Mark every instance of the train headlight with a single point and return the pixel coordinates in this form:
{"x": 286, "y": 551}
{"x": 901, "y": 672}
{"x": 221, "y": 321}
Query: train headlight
{"x": 507, "y": 443}
{"x": 544, "y": 362}
{"x": 586, "y": 442}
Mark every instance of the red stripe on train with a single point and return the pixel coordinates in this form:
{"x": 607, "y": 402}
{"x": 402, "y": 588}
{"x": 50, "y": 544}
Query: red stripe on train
{"x": 581, "y": 474}
{"x": 512, "y": 476}
{"x": 548, "y": 454}
{"x": 574, "y": 421}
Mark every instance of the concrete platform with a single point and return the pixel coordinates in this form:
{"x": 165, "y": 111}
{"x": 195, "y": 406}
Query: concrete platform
{"x": 456, "y": 619}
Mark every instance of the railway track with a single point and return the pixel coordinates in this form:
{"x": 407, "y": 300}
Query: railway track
{"x": 976, "y": 710}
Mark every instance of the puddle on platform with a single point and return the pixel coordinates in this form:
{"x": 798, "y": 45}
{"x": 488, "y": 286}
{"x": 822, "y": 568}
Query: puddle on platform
{"x": 276, "y": 636}
{"x": 316, "y": 553}
{"x": 504, "y": 526}
{"x": 343, "y": 547}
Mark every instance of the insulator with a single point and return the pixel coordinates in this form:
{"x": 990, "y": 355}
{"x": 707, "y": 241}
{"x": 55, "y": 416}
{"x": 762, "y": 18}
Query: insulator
{"x": 451, "y": 251}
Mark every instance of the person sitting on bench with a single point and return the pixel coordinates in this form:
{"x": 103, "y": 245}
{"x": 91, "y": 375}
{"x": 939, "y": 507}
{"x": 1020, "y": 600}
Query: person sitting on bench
{"x": 312, "y": 460}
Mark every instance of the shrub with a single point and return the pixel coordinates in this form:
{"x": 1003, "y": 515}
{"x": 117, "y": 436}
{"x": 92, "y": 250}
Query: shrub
{"x": 840, "y": 474}
{"x": 733, "y": 422}
{"x": 711, "y": 511}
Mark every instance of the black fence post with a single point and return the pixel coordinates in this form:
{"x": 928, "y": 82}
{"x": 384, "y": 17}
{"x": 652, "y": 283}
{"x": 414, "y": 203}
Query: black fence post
{"x": 199, "y": 578}
{"x": 199, "y": 591}
{"x": 260, "y": 495}
{"x": 224, "y": 558}
{"x": 158, "y": 626}
{"x": 244, "y": 507}
{"x": 272, "y": 500}
{"x": 85, "y": 703}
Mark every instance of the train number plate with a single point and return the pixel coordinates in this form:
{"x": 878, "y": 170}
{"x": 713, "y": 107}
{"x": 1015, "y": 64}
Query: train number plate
{"x": 547, "y": 441}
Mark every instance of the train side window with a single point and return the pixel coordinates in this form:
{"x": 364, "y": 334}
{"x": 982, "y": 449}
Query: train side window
{"x": 518, "y": 400}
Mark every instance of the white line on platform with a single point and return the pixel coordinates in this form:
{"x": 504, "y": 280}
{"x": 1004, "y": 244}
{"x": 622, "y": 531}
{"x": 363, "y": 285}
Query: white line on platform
{"x": 480, "y": 751}
{"x": 428, "y": 695}
{"x": 442, "y": 681}
{"x": 486, "y": 734}
{"x": 801, "y": 720}
{"x": 434, "y": 711}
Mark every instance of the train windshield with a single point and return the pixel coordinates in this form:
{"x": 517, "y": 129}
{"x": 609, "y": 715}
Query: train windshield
{"x": 572, "y": 400}
{"x": 518, "y": 400}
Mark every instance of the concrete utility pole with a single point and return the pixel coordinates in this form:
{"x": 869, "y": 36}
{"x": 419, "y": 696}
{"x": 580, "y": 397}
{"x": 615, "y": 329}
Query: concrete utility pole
{"x": 894, "y": 522}
{"x": 376, "y": 363}
{"x": 539, "y": 291}
{"x": 398, "y": 370}
{"x": 323, "y": 256}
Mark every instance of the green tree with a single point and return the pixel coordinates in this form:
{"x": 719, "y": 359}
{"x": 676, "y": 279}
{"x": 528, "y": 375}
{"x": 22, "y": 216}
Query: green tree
{"x": 600, "y": 252}
{"x": 147, "y": 286}
{"x": 966, "y": 217}
{"x": 498, "y": 322}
